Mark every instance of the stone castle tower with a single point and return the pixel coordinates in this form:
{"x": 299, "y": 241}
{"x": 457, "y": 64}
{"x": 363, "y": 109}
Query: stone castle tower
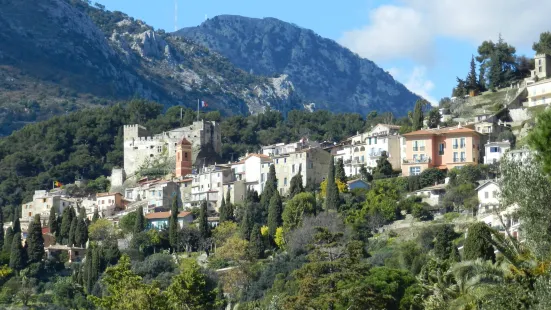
{"x": 141, "y": 148}
{"x": 183, "y": 158}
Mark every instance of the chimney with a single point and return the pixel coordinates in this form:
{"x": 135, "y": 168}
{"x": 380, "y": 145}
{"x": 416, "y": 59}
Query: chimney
{"x": 459, "y": 125}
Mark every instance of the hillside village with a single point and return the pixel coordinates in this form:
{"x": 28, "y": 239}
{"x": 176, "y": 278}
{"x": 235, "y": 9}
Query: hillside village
{"x": 187, "y": 158}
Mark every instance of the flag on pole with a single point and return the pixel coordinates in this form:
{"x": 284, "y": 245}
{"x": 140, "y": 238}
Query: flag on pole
{"x": 57, "y": 184}
{"x": 204, "y": 104}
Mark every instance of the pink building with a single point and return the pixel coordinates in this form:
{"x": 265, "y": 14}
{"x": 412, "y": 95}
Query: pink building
{"x": 442, "y": 148}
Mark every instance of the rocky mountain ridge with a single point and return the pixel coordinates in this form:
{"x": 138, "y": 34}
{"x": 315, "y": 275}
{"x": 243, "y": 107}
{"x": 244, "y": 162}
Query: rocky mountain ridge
{"x": 57, "y": 56}
{"x": 321, "y": 70}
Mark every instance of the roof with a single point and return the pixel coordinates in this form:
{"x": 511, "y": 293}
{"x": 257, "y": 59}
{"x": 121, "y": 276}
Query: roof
{"x": 432, "y": 188}
{"x": 499, "y": 143}
{"x": 164, "y": 215}
{"x": 485, "y": 183}
{"x": 356, "y": 180}
{"x": 184, "y": 141}
{"x": 107, "y": 194}
{"x": 389, "y": 126}
{"x": 261, "y": 156}
{"x": 440, "y": 131}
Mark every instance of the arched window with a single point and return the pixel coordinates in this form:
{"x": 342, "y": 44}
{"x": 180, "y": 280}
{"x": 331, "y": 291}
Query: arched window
{"x": 355, "y": 149}
{"x": 362, "y": 149}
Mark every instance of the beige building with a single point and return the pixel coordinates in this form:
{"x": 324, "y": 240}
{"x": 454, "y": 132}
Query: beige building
{"x": 158, "y": 194}
{"x": 109, "y": 203}
{"x": 208, "y": 185}
{"x": 312, "y": 163}
{"x": 42, "y": 203}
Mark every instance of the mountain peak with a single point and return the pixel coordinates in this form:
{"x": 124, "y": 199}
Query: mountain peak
{"x": 321, "y": 70}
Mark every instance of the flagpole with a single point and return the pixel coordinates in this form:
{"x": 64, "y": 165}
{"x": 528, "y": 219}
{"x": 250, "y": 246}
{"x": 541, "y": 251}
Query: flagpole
{"x": 197, "y": 109}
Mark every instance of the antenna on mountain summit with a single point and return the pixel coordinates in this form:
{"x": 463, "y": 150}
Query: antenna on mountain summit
{"x": 175, "y": 15}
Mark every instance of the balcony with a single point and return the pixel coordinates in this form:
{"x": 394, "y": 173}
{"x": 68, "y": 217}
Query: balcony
{"x": 424, "y": 160}
{"x": 419, "y": 148}
{"x": 375, "y": 154}
{"x": 455, "y": 146}
{"x": 415, "y": 149}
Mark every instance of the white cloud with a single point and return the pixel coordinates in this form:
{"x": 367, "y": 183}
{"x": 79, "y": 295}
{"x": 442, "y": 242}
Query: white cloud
{"x": 408, "y": 30}
{"x": 418, "y": 83}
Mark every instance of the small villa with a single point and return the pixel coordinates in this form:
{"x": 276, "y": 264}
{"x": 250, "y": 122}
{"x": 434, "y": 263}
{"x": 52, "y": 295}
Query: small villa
{"x": 159, "y": 220}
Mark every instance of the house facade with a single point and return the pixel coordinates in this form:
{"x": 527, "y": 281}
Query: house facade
{"x": 107, "y": 203}
{"x": 158, "y": 194}
{"x": 433, "y": 195}
{"x": 539, "y": 93}
{"x": 494, "y": 151}
{"x": 41, "y": 204}
{"x": 208, "y": 185}
{"x": 442, "y": 148}
{"x": 159, "y": 220}
{"x": 488, "y": 197}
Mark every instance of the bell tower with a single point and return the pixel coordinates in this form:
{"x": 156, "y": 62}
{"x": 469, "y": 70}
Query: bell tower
{"x": 183, "y": 158}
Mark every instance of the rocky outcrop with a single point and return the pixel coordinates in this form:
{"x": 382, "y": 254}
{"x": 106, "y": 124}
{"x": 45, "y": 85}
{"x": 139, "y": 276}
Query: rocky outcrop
{"x": 321, "y": 70}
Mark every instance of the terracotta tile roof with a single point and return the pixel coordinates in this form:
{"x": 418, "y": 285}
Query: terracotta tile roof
{"x": 441, "y": 131}
{"x": 184, "y": 141}
{"x": 261, "y": 156}
{"x": 164, "y": 215}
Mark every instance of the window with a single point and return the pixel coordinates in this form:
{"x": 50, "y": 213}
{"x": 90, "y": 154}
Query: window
{"x": 375, "y": 140}
{"x": 185, "y": 155}
{"x": 369, "y": 141}
{"x": 455, "y": 158}
{"x": 441, "y": 149}
{"x": 293, "y": 168}
{"x": 494, "y": 149}
{"x": 159, "y": 149}
{"x": 540, "y": 70}
{"x": 30, "y": 213}
{"x": 284, "y": 160}
{"x": 455, "y": 144}
{"x": 159, "y": 193}
{"x": 463, "y": 157}
{"x": 494, "y": 194}
{"x": 486, "y": 195}
{"x": 414, "y": 170}
{"x": 285, "y": 181}
{"x": 262, "y": 177}
{"x": 415, "y": 146}
{"x": 462, "y": 143}
{"x": 311, "y": 165}
{"x": 277, "y": 161}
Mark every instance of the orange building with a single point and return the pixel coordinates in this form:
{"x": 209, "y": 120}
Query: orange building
{"x": 183, "y": 158}
{"x": 442, "y": 148}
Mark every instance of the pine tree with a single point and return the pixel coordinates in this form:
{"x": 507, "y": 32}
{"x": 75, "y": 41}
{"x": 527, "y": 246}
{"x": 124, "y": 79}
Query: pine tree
{"x": 256, "y": 245}
{"x": 139, "y": 225}
{"x": 17, "y": 255}
{"x": 477, "y": 245}
{"x": 332, "y": 199}
{"x": 72, "y": 232}
{"x": 204, "y": 227}
{"x": 173, "y": 225}
{"x": 444, "y": 242}
{"x": 8, "y": 238}
{"x": 482, "y": 78}
{"x": 472, "y": 83}
{"x": 66, "y": 220}
{"x": 247, "y": 221}
{"x": 296, "y": 186}
{"x": 495, "y": 73}
{"x": 35, "y": 240}
{"x": 81, "y": 232}
{"x": 339, "y": 171}
{"x": 223, "y": 211}
{"x": 16, "y": 226}
{"x": 269, "y": 188}
{"x": 95, "y": 217}
{"x": 417, "y": 117}
{"x": 384, "y": 167}
{"x": 52, "y": 221}
{"x": 274, "y": 215}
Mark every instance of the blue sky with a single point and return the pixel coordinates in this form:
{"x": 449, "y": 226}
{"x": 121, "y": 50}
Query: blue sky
{"x": 424, "y": 44}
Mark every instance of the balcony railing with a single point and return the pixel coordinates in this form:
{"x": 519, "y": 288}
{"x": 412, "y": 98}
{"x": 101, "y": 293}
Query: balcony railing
{"x": 422, "y": 148}
{"x": 375, "y": 154}
{"x": 424, "y": 160}
{"x": 455, "y": 146}
{"x": 415, "y": 149}
{"x": 459, "y": 160}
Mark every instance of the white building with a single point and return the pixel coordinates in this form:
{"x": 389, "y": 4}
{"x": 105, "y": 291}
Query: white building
{"x": 42, "y": 203}
{"x": 489, "y": 204}
{"x": 495, "y": 150}
{"x": 539, "y": 93}
{"x": 523, "y": 154}
{"x": 488, "y": 197}
{"x": 282, "y": 148}
{"x": 433, "y": 195}
{"x": 159, "y": 194}
{"x": 367, "y": 148}
{"x": 208, "y": 185}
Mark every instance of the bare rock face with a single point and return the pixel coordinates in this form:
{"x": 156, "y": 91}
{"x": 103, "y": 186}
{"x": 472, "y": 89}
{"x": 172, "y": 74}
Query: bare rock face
{"x": 321, "y": 70}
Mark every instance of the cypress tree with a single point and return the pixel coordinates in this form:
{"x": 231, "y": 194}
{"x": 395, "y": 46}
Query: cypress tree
{"x": 1, "y": 230}
{"x": 256, "y": 246}
{"x": 332, "y": 191}
{"x": 35, "y": 240}
{"x": 173, "y": 225}
{"x": 8, "y": 238}
{"x": 274, "y": 215}
{"x": 81, "y": 232}
{"x": 16, "y": 225}
{"x": 66, "y": 221}
{"x": 52, "y": 221}
{"x": 94, "y": 268}
{"x": 417, "y": 116}
{"x": 477, "y": 245}
{"x": 269, "y": 188}
{"x": 472, "y": 83}
{"x": 17, "y": 256}
{"x": 444, "y": 242}
{"x": 296, "y": 186}
{"x": 339, "y": 171}
{"x": 72, "y": 233}
{"x": 204, "y": 227}
{"x": 95, "y": 217}
{"x": 139, "y": 225}
{"x": 87, "y": 270}
{"x": 223, "y": 211}
{"x": 229, "y": 207}
{"x": 247, "y": 222}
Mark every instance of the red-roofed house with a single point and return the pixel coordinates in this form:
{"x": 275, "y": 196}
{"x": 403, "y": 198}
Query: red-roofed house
{"x": 159, "y": 220}
{"x": 442, "y": 148}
